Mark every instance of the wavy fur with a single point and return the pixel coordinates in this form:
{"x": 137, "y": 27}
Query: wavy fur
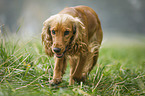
{"x": 76, "y": 44}
{"x": 81, "y": 44}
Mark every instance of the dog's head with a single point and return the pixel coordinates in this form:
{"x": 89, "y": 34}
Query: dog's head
{"x": 59, "y": 32}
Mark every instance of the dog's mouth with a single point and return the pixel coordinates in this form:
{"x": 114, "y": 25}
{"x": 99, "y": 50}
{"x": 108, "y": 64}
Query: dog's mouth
{"x": 61, "y": 55}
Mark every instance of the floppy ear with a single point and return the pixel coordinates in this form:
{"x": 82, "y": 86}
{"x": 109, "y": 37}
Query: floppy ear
{"x": 78, "y": 29}
{"x": 47, "y": 38}
{"x": 79, "y": 33}
{"x": 46, "y": 34}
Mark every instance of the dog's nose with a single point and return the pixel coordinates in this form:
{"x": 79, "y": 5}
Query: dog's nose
{"x": 57, "y": 50}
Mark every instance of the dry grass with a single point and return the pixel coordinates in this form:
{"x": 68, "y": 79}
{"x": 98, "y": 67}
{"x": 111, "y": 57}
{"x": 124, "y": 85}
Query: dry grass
{"x": 26, "y": 70}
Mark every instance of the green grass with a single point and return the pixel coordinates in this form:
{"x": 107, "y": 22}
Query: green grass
{"x": 25, "y": 70}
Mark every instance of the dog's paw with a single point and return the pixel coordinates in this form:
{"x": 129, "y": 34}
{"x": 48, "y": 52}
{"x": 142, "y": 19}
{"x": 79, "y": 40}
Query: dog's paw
{"x": 84, "y": 77}
{"x": 80, "y": 79}
{"x": 54, "y": 82}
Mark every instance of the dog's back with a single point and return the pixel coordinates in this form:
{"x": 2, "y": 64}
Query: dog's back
{"x": 89, "y": 18}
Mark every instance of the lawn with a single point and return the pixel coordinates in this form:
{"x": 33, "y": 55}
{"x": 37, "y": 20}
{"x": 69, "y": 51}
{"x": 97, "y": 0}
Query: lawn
{"x": 25, "y": 70}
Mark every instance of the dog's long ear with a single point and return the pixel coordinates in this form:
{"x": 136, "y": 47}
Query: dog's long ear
{"x": 46, "y": 34}
{"x": 46, "y": 37}
{"x": 78, "y": 31}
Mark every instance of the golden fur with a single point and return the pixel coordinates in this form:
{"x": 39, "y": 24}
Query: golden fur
{"x": 77, "y": 32}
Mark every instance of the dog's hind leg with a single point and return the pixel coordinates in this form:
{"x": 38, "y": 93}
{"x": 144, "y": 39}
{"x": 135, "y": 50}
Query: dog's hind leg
{"x": 92, "y": 59}
{"x": 73, "y": 62}
{"x": 78, "y": 69}
{"x": 95, "y": 53}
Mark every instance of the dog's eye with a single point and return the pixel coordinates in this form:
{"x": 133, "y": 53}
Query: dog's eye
{"x": 53, "y": 32}
{"x": 66, "y": 32}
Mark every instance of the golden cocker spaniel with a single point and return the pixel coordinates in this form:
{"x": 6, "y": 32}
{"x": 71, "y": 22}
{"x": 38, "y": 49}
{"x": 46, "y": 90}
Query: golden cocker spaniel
{"x": 75, "y": 34}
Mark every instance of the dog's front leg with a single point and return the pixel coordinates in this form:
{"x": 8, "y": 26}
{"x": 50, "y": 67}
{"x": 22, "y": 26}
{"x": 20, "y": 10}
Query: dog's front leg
{"x": 73, "y": 62}
{"x": 57, "y": 72}
{"x": 78, "y": 71}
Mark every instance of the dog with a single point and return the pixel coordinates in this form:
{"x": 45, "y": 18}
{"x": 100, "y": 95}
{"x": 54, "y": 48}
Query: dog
{"x": 75, "y": 34}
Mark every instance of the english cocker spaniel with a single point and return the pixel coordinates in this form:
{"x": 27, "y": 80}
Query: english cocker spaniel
{"x": 75, "y": 34}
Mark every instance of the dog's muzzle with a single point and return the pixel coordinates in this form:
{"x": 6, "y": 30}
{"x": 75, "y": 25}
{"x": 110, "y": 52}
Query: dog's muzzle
{"x": 57, "y": 50}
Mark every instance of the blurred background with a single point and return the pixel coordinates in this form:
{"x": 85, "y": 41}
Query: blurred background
{"x": 117, "y": 16}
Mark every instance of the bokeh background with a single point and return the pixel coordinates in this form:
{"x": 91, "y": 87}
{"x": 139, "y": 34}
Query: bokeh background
{"x": 119, "y": 17}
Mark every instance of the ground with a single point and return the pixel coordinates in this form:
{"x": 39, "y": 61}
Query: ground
{"x": 26, "y": 70}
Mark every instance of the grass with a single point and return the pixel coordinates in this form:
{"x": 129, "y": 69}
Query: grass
{"x": 25, "y": 70}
